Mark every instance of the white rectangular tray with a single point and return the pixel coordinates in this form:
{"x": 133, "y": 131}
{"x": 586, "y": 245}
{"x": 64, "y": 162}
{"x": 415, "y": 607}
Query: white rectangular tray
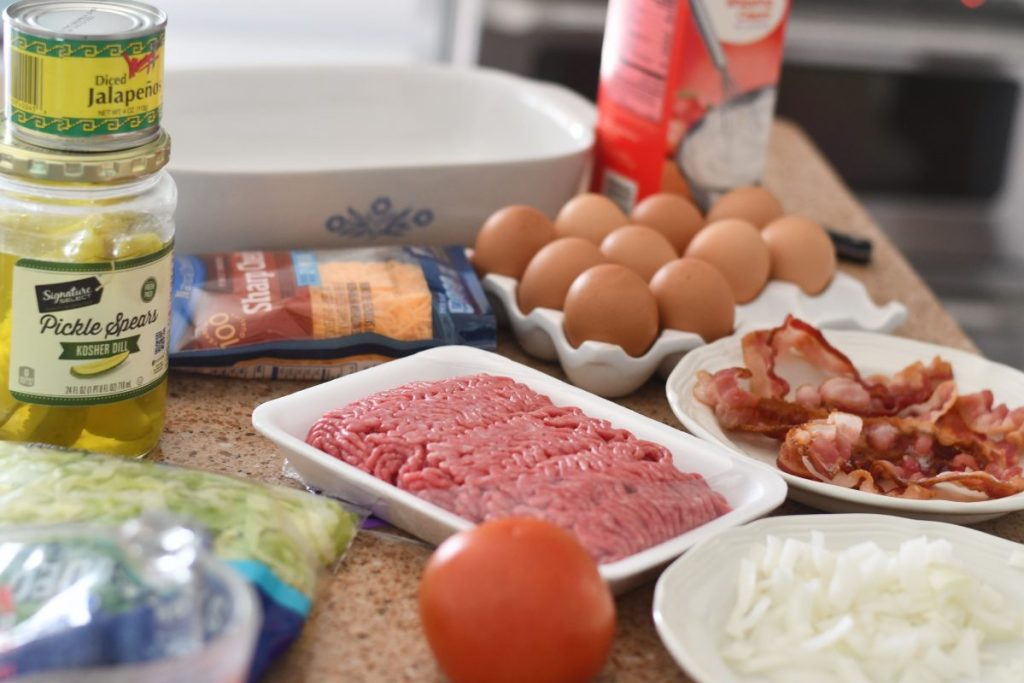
{"x": 751, "y": 488}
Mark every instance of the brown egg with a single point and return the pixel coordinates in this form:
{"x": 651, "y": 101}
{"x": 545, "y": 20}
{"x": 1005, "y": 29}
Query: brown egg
{"x": 753, "y": 204}
{"x": 611, "y": 303}
{"x": 673, "y": 216}
{"x": 801, "y": 253}
{"x": 672, "y": 181}
{"x": 590, "y": 216}
{"x": 736, "y": 249}
{"x": 509, "y": 239}
{"x": 641, "y": 249}
{"x": 694, "y": 297}
{"x": 552, "y": 270}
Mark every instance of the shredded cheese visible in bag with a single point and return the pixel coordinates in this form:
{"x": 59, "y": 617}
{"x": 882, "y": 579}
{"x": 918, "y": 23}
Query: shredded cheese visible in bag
{"x": 390, "y": 298}
{"x": 316, "y": 315}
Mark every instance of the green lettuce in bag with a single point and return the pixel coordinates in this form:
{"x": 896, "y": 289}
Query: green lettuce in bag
{"x": 277, "y": 538}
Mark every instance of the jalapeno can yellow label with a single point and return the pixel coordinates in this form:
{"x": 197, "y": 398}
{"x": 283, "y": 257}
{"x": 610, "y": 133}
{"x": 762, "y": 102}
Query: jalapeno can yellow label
{"x": 85, "y": 88}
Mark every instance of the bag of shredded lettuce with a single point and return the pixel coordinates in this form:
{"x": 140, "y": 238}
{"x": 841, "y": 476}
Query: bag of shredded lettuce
{"x": 278, "y": 538}
{"x": 139, "y": 601}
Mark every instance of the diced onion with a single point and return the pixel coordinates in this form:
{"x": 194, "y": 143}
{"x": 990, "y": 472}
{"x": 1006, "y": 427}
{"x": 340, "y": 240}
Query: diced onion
{"x": 865, "y": 615}
{"x": 1017, "y": 559}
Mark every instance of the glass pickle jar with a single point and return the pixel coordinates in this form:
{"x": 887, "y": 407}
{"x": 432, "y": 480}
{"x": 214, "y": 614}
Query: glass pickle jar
{"x": 85, "y": 287}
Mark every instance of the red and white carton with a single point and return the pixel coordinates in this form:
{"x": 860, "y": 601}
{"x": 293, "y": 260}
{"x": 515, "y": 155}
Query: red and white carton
{"x": 687, "y": 87}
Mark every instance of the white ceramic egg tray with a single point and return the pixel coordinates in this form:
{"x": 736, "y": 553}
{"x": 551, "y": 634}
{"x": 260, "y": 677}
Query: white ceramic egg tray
{"x": 607, "y": 370}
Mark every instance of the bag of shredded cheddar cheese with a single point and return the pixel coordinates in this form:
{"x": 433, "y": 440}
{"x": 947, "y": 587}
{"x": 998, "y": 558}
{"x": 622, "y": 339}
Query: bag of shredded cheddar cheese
{"x": 314, "y": 315}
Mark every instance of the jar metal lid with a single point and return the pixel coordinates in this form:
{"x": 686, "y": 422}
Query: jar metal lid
{"x": 21, "y": 159}
{"x": 84, "y": 20}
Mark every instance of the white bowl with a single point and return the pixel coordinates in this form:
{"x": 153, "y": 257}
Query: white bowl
{"x": 345, "y": 155}
{"x": 871, "y": 354}
{"x": 751, "y": 489}
{"x": 694, "y": 595}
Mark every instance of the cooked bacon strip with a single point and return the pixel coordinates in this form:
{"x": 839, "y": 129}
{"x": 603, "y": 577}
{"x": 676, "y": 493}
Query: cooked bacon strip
{"x": 983, "y": 482}
{"x": 896, "y": 456}
{"x": 821, "y": 449}
{"x": 930, "y": 410}
{"x": 743, "y": 409}
{"x": 759, "y": 357}
{"x": 979, "y": 415}
{"x": 737, "y": 408}
{"x": 926, "y": 449}
{"x": 808, "y": 396}
{"x": 761, "y": 349}
{"x": 807, "y": 341}
{"x": 847, "y": 395}
{"x": 857, "y": 479}
{"x": 999, "y": 457}
{"x": 845, "y": 389}
{"x": 910, "y": 435}
{"x": 911, "y": 385}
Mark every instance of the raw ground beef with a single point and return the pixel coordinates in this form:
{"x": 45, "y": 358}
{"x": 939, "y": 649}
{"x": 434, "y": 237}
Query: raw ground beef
{"x": 484, "y": 447}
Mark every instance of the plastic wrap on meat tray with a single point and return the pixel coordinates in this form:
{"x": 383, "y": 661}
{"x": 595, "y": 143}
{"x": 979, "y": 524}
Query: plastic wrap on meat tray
{"x": 485, "y": 447}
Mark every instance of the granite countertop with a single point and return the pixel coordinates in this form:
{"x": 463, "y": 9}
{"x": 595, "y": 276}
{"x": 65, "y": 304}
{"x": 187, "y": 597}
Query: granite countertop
{"x": 364, "y": 625}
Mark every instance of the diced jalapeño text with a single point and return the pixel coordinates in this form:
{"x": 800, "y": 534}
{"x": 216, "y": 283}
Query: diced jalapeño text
{"x": 124, "y": 95}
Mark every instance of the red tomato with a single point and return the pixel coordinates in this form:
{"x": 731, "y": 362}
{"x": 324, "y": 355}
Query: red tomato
{"x": 516, "y": 600}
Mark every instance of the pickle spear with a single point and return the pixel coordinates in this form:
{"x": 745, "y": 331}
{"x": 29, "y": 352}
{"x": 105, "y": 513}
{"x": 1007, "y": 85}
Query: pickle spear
{"x": 98, "y": 367}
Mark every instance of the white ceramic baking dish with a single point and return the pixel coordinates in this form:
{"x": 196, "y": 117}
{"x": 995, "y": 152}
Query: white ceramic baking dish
{"x": 751, "y": 488}
{"x": 345, "y": 155}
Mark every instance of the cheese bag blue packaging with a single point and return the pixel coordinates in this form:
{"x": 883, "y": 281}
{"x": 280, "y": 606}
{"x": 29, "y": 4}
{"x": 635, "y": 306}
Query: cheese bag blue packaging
{"x": 315, "y": 315}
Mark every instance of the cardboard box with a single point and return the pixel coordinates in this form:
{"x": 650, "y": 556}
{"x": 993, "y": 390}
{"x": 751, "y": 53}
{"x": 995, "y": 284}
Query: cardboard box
{"x": 687, "y": 89}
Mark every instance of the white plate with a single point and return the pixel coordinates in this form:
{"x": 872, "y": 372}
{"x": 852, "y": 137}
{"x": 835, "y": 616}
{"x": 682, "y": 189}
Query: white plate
{"x": 694, "y": 595}
{"x": 607, "y": 370}
{"x": 345, "y": 155}
{"x": 871, "y": 354}
{"x": 751, "y": 489}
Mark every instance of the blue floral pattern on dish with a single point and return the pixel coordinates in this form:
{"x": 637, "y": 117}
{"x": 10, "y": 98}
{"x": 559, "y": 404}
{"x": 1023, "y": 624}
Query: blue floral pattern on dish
{"x": 382, "y": 220}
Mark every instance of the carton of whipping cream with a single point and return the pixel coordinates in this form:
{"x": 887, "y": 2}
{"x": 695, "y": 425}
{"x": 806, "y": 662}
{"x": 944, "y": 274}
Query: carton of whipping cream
{"x": 687, "y": 95}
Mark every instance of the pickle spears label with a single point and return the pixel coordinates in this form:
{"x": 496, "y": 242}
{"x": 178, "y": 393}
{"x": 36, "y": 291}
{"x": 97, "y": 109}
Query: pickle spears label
{"x": 85, "y": 88}
{"x": 86, "y": 333}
